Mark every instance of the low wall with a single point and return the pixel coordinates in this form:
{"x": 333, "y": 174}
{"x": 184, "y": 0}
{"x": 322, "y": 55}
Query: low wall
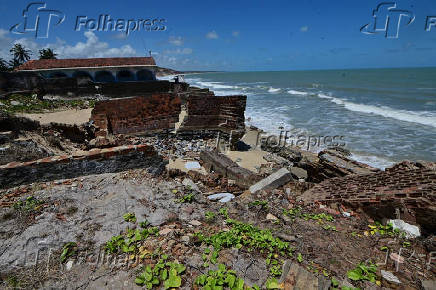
{"x": 146, "y": 114}
{"x": 96, "y": 161}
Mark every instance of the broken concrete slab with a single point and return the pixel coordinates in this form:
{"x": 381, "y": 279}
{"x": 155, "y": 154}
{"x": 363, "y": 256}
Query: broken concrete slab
{"x": 223, "y": 165}
{"x": 278, "y": 178}
{"x": 298, "y": 172}
{"x": 189, "y": 183}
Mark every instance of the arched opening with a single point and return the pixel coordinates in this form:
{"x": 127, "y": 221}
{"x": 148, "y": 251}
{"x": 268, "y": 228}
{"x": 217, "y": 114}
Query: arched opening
{"x": 125, "y": 76}
{"x": 145, "y": 75}
{"x": 58, "y": 74}
{"x": 83, "y": 77}
{"x": 104, "y": 77}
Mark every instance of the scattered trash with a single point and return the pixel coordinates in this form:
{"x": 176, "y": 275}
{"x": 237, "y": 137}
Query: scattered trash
{"x": 221, "y": 197}
{"x": 192, "y": 165}
{"x": 410, "y": 230}
{"x": 346, "y": 214}
{"x": 390, "y": 277}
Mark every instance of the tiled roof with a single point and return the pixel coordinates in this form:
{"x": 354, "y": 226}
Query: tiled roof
{"x": 85, "y": 62}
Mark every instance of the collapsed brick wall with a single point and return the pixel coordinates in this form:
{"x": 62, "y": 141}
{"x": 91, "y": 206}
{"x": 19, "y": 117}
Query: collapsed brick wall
{"x": 96, "y": 161}
{"x": 210, "y": 112}
{"x": 145, "y": 114}
{"x": 404, "y": 185}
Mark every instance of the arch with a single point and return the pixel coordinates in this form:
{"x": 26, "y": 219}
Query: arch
{"x": 58, "y": 74}
{"x": 104, "y": 76}
{"x": 145, "y": 75}
{"x": 82, "y": 74}
{"x": 125, "y": 76}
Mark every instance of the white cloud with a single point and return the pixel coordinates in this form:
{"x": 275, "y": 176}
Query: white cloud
{"x": 176, "y": 40}
{"x": 92, "y": 47}
{"x": 304, "y": 28}
{"x": 235, "y": 33}
{"x": 212, "y": 35}
{"x": 185, "y": 50}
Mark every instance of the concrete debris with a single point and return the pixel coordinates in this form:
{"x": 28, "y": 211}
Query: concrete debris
{"x": 189, "y": 183}
{"x": 410, "y": 230}
{"x": 192, "y": 165}
{"x": 299, "y": 173}
{"x": 277, "y": 179}
{"x": 271, "y": 217}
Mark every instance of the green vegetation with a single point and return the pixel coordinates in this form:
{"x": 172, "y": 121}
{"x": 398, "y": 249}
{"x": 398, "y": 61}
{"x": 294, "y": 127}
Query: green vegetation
{"x": 296, "y": 212}
{"x": 164, "y": 272}
{"x": 69, "y": 249}
{"x": 29, "y": 104}
{"x": 210, "y": 216}
{"x": 382, "y": 230}
{"x": 187, "y": 198}
{"x": 263, "y": 204}
{"x": 129, "y": 241}
{"x": 224, "y": 212}
{"x": 363, "y": 272}
{"x": 222, "y": 278}
{"x": 129, "y": 217}
{"x": 29, "y": 204}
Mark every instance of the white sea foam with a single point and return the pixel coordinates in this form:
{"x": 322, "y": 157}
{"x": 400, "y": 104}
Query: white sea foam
{"x": 374, "y": 161}
{"x": 215, "y": 85}
{"x": 419, "y": 117}
{"x": 300, "y": 93}
{"x": 273, "y": 90}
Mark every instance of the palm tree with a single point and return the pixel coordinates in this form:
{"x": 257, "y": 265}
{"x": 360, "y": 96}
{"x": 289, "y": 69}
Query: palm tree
{"x": 13, "y": 63}
{"x": 20, "y": 54}
{"x": 47, "y": 53}
{"x": 3, "y": 65}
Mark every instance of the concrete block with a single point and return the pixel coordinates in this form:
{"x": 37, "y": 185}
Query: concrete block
{"x": 278, "y": 178}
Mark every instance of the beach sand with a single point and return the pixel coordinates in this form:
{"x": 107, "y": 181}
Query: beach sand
{"x": 70, "y": 117}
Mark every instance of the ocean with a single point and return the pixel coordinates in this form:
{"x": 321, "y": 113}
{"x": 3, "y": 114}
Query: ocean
{"x": 384, "y": 115}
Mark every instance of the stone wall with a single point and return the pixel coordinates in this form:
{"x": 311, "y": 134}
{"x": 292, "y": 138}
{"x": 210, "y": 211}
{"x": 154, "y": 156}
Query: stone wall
{"x": 146, "y": 114}
{"x": 410, "y": 186}
{"x": 96, "y": 161}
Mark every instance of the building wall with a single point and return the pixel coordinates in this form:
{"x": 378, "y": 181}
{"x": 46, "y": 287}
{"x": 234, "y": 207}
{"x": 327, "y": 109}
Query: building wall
{"x": 137, "y": 73}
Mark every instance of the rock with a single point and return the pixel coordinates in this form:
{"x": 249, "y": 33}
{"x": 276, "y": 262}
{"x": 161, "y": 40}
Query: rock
{"x": 296, "y": 277}
{"x": 429, "y": 284}
{"x": 221, "y": 197}
{"x": 410, "y": 230}
{"x": 185, "y": 239}
{"x": 299, "y": 173}
{"x": 15, "y": 103}
{"x": 69, "y": 265}
{"x": 191, "y": 184}
{"x": 287, "y": 238}
{"x": 165, "y": 231}
{"x": 390, "y": 277}
{"x": 271, "y": 217}
{"x": 273, "y": 181}
{"x": 195, "y": 223}
{"x": 160, "y": 216}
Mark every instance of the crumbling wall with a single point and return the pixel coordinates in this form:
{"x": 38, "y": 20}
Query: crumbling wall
{"x": 406, "y": 185}
{"x": 96, "y": 161}
{"x": 206, "y": 111}
{"x": 146, "y": 114}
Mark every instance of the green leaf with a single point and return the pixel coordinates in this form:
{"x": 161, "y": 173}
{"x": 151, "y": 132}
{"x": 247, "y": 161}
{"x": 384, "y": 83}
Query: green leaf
{"x": 173, "y": 280}
{"x": 139, "y": 281}
{"x": 354, "y": 275}
{"x": 164, "y": 274}
{"x": 230, "y": 280}
{"x": 272, "y": 284}
{"x": 299, "y": 258}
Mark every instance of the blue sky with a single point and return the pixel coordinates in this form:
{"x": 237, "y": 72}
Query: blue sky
{"x": 236, "y": 35}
